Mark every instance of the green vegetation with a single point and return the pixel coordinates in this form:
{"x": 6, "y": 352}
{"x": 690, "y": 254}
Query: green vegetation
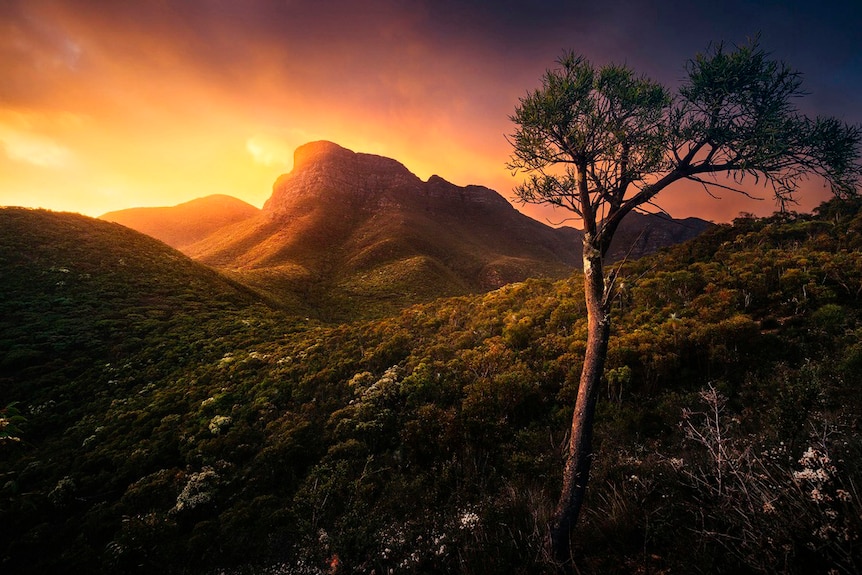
{"x": 168, "y": 421}
{"x": 602, "y": 142}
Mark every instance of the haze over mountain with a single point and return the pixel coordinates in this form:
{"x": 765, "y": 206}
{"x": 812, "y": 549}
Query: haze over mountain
{"x": 354, "y": 229}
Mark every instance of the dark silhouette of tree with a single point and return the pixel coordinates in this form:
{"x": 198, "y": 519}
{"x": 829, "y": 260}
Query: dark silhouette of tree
{"x": 602, "y": 142}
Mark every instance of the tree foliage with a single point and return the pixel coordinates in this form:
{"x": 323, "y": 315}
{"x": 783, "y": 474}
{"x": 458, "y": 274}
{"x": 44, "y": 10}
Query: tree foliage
{"x": 603, "y": 141}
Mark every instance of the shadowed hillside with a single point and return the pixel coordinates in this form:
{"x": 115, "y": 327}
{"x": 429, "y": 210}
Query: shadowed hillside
{"x": 78, "y": 292}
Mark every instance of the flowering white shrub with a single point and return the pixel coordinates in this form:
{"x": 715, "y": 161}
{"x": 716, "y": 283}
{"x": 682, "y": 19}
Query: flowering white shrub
{"x": 468, "y": 520}
{"x": 817, "y": 471}
{"x": 386, "y": 383}
{"x": 198, "y": 490}
{"x": 5, "y": 436}
{"x": 10, "y": 418}
{"x": 219, "y": 423}
{"x": 752, "y": 503}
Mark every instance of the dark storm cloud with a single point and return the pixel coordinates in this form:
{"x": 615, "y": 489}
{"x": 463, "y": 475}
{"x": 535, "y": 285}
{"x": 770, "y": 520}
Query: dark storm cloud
{"x": 317, "y": 41}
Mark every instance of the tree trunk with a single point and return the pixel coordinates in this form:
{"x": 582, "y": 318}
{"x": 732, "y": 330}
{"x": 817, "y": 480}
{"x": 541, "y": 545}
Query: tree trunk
{"x": 580, "y": 453}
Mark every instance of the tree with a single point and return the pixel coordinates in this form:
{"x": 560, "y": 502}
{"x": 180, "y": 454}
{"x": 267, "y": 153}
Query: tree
{"x": 602, "y": 142}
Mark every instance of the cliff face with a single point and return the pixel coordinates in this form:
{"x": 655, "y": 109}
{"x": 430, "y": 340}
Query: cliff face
{"x": 326, "y": 174}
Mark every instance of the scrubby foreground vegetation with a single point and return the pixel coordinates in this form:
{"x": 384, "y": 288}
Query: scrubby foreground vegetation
{"x": 160, "y": 419}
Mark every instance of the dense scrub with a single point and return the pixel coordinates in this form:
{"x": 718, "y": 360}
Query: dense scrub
{"x": 198, "y": 431}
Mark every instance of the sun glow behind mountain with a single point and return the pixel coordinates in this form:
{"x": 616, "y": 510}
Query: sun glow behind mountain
{"x": 106, "y": 114}
{"x": 106, "y": 105}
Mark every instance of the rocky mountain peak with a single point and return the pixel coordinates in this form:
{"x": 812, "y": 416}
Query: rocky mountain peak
{"x": 320, "y": 152}
{"x": 326, "y": 172}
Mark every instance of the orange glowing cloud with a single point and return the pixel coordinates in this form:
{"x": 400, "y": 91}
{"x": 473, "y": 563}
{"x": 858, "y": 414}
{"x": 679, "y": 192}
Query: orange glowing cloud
{"x": 163, "y": 126}
{"x": 22, "y": 144}
{"x": 106, "y": 105}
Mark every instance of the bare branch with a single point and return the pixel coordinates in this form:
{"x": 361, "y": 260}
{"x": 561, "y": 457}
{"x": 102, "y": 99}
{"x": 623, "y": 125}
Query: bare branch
{"x": 715, "y": 184}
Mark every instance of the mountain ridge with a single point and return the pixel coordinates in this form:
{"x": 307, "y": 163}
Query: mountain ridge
{"x": 354, "y": 231}
{"x": 186, "y": 223}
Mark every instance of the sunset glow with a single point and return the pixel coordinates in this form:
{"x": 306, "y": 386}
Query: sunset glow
{"x": 110, "y": 105}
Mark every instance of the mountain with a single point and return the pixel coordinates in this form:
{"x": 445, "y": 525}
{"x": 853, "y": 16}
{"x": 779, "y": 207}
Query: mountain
{"x": 345, "y": 227}
{"x": 187, "y": 223}
{"x": 354, "y": 231}
{"x": 642, "y": 234}
{"x": 348, "y": 234}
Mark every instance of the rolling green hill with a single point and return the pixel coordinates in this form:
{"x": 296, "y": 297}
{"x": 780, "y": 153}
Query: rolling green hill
{"x": 82, "y": 297}
{"x": 205, "y": 433}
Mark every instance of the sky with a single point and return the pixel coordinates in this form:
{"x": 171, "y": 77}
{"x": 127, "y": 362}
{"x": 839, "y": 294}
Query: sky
{"x": 112, "y": 104}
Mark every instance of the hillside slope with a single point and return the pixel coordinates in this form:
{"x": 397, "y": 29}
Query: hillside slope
{"x": 77, "y": 291}
{"x": 239, "y": 440}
